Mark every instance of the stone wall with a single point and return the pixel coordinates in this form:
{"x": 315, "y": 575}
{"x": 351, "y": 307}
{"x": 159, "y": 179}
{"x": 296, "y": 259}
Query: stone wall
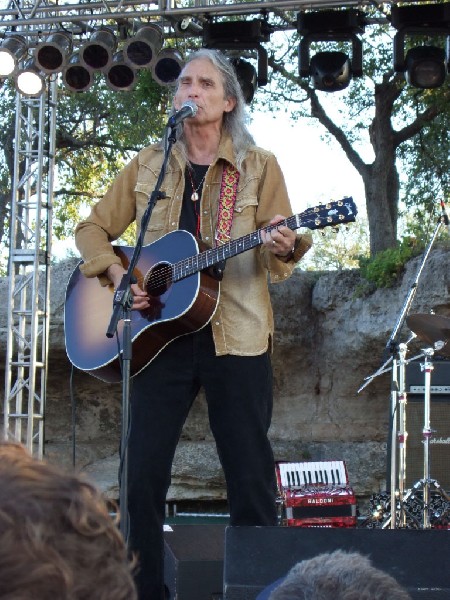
{"x": 329, "y": 338}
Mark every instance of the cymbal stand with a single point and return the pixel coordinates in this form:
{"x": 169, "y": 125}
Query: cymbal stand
{"x": 426, "y": 483}
{"x": 402, "y": 434}
{"x": 399, "y": 434}
{"x": 399, "y": 438}
{"x": 427, "y": 367}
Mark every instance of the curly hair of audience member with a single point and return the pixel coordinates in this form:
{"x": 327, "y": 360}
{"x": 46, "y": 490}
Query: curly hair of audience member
{"x": 57, "y": 537}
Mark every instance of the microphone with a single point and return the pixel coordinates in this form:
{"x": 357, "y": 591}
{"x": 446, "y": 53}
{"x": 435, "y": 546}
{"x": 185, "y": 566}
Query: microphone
{"x": 189, "y": 109}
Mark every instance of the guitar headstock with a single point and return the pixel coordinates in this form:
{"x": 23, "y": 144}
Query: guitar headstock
{"x": 334, "y": 213}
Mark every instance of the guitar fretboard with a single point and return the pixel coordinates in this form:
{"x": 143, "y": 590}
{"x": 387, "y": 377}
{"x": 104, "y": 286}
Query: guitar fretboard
{"x": 212, "y": 256}
{"x": 333, "y": 213}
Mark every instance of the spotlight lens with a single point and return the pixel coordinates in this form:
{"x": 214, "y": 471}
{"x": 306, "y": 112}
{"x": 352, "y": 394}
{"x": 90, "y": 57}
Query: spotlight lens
{"x": 121, "y": 77}
{"x": 425, "y": 66}
{"x": 167, "y": 70}
{"x": 427, "y": 74}
{"x": 7, "y": 63}
{"x": 30, "y": 83}
{"x": 78, "y": 78}
{"x": 331, "y": 71}
{"x": 50, "y": 58}
{"x": 95, "y": 56}
{"x": 139, "y": 53}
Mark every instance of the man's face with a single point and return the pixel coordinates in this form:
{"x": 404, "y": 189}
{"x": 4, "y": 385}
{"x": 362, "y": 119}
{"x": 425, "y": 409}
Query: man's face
{"x": 202, "y": 83}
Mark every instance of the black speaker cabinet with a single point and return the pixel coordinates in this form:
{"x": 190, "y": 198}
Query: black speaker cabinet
{"x": 193, "y": 564}
{"x": 257, "y": 556}
{"x": 439, "y": 445}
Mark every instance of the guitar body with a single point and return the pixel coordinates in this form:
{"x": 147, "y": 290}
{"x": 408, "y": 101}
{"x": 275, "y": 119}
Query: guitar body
{"x": 176, "y": 309}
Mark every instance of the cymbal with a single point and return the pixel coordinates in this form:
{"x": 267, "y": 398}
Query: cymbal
{"x": 431, "y": 329}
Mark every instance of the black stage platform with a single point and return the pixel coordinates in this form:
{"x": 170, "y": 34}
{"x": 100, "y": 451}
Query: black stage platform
{"x": 214, "y": 562}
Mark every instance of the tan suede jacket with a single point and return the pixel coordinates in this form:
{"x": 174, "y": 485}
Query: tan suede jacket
{"x": 243, "y": 322}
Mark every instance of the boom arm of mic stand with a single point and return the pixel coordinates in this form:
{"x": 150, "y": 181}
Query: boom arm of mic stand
{"x": 392, "y": 343}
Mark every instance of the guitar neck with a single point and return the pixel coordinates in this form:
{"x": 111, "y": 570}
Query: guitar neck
{"x": 330, "y": 214}
{"x": 212, "y": 256}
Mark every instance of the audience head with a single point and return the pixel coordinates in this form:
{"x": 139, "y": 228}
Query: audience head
{"x": 57, "y": 538}
{"x": 338, "y": 575}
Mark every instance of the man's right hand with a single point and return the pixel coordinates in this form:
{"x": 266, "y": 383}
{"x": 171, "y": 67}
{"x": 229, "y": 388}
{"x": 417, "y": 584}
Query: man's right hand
{"x": 140, "y": 298}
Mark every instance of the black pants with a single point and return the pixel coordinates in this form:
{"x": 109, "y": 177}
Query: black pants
{"x": 239, "y": 397}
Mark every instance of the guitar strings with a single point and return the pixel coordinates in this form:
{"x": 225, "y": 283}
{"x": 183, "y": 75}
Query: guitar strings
{"x": 159, "y": 281}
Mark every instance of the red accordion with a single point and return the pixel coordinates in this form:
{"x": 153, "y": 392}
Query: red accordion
{"x": 316, "y": 494}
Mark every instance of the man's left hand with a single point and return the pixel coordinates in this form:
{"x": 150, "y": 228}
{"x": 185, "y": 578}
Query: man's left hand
{"x": 279, "y": 240}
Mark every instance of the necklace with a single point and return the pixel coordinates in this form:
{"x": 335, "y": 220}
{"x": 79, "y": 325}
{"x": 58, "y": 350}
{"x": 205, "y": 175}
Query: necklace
{"x": 195, "y": 190}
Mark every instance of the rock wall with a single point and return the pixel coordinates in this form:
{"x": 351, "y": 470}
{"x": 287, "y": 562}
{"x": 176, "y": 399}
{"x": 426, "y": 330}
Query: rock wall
{"x": 329, "y": 338}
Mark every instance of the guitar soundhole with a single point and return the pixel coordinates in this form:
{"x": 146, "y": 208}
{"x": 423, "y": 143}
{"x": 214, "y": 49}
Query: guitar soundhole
{"x": 158, "y": 280}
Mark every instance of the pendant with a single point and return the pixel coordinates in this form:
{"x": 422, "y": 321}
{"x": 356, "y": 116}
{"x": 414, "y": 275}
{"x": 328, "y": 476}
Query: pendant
{"x": 194, "y": 196}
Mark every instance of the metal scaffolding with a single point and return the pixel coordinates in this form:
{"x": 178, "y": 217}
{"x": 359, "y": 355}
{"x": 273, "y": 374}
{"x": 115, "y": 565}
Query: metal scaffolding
{"x": 29, "y": 269}
{"x": 32, "y": 13}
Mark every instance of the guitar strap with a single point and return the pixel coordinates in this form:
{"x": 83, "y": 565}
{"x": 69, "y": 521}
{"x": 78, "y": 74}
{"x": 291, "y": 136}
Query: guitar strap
{"x": 227, "y": 200}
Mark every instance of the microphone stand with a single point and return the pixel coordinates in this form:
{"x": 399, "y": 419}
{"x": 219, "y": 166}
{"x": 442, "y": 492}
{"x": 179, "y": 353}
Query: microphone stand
{"x": 122, "y": 305}
{"x": 398, "y": 393}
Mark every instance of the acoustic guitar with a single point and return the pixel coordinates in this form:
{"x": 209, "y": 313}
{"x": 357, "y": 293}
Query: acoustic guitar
{"x": 176, "y": 273}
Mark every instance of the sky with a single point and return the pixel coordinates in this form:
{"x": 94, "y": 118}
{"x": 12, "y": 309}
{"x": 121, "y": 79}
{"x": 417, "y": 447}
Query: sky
{"x": 315, "y": 171}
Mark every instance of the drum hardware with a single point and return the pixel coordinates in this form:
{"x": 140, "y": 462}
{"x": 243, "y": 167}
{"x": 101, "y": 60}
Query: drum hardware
{"x": 379, "y": 510}
{"x": 420, "y": 500}
{"x": 433, "y": 329}
{"x": 437, "y": 331}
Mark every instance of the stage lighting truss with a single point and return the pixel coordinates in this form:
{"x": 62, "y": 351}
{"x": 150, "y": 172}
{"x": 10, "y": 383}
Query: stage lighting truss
{"x": 425, "y": 66}
{"x": 235, "y": 36}
{"x": 331, "y": 70}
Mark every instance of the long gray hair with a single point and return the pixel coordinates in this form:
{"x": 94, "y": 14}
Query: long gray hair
{"x": 235, "y": 121}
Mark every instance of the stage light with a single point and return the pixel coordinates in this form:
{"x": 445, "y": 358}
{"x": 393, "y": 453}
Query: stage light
{"x": 425, "y": 66}
{"x": 331, "y": 71}
{"x": 241, "y": 35}
{"x": 97, "y": 53}
{"x": 247, "y": 77}
{"x": 167, "y": 67}
{"x": 52, "y": 54}
{"x": 13, "y": 48}
{"x": 76, "y": 76}
{"x": 29, "y": 81}
{"x": 120, "y": 76}
{"x": 141, "y": 50}
{"x": 188, "y": 25}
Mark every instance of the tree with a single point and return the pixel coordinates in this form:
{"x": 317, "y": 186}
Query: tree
{"x": 383, "y": 111}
